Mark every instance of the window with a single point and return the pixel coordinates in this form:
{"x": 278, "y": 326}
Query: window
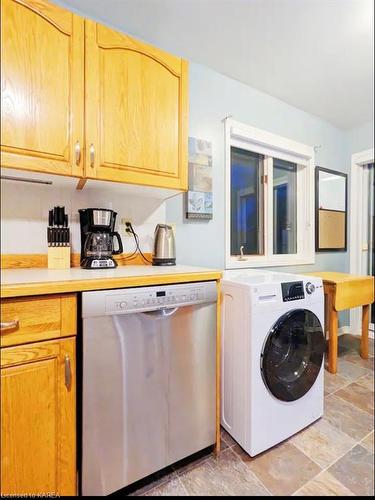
{"x": 246, "y": 202}
{"x": 269, "y": 192}
{"x": 284, "y": 207}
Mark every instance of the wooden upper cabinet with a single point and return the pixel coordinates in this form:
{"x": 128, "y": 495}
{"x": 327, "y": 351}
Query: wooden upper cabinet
{"x": 136, "y": 111}
{"x": 42, "y": 87}
{"x": 61, "y": 75}
{"x": 38, "y": 418}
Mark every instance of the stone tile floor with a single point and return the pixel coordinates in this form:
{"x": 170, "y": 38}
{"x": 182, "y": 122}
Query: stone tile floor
{"x": 332, "y": 457}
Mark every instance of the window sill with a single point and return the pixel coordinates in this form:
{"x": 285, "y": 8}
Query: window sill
{"x": 254, "y": 262}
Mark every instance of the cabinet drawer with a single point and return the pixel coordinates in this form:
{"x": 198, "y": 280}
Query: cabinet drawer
{"x": 30, "y": 319}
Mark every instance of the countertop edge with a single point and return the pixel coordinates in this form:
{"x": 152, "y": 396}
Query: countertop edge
{"x": 55, "y": 287}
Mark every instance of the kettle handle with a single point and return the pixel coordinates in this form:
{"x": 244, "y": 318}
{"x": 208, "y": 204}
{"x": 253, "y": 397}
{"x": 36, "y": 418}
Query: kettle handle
{"x": 120, "y": 247}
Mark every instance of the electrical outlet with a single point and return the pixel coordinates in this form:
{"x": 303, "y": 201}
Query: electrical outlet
{"x": 125, "y": 221}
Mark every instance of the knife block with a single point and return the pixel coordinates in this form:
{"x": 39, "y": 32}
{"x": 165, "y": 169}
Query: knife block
{"x": 58, "y": 257}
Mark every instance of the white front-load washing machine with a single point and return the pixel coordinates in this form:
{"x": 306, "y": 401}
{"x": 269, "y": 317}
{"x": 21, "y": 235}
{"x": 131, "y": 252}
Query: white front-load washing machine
{"x": 272, "y": 356}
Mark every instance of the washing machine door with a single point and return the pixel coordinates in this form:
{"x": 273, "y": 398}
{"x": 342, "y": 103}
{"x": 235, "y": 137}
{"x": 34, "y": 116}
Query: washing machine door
{"x": 293, "y": 355}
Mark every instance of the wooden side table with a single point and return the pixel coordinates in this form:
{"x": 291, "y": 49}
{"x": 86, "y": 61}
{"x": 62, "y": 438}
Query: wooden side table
{"x": 345, "y": 291}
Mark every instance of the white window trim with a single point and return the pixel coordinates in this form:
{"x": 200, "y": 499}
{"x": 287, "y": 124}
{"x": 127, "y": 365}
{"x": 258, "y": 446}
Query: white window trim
{"x": 260, "y": 141}
{"x": 359, "y": 160}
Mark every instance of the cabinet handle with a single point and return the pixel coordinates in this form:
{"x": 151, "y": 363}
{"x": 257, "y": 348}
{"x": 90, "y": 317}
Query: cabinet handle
{"x": 68, "y": 373}
{"x": 9, "y": 325}
{"x": 77, "y": 150}
{"x": 92, "y": 156}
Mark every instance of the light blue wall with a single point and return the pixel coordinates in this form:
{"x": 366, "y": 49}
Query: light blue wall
{"x": 360, "y": 138}
{"x": 214, "y": 96}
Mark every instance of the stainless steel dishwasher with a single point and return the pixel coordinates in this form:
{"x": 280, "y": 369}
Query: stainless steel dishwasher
{"x": 149, "y": 372}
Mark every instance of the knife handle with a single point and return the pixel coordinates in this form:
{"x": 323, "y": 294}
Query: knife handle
{"x": 55, "y": 216}
{"x": 61, "y": 216}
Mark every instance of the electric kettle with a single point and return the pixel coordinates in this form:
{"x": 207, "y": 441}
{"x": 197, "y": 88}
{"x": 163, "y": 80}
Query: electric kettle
{"x": 164, "y": 246}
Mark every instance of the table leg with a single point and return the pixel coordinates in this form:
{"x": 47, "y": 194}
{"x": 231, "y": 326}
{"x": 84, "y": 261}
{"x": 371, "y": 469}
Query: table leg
{"x": 365, "y": 327}
{"x": 333, "y": 343}
{"x": 328, "y": 305}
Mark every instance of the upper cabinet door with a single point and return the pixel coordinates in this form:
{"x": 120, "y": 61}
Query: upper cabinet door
{"x": 42, "y": 87}
{"x": 136, "y": 111}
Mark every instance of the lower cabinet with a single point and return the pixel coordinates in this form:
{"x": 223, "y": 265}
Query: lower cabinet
{"x": 38, "y": 418}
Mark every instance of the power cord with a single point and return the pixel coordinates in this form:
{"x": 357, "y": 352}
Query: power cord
{"x": 129, "y": 229}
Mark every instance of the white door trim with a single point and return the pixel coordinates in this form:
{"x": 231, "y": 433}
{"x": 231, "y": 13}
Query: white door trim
{"x": 356, "y": 223}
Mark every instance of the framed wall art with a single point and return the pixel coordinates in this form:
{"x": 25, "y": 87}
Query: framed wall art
{"x": 199, "y": 195}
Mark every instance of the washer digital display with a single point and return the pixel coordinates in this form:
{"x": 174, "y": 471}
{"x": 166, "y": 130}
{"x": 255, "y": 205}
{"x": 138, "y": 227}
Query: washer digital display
{"x": 292, "y": 291}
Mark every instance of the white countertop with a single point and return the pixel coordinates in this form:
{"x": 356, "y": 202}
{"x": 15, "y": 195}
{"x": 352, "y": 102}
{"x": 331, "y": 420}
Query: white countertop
{"x": 28, "y": 276}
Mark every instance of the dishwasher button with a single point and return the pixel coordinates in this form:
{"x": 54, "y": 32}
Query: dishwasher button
{"x": 123, "y": 305}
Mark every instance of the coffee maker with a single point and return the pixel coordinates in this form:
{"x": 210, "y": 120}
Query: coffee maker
{"x": 97, "y": 235}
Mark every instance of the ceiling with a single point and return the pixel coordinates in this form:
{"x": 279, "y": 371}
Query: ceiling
{"x": 316, "y": 55}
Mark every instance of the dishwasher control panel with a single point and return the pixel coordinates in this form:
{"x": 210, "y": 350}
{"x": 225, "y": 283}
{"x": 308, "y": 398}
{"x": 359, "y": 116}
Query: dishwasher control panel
{"x": 151, "y": 299}
{"x": 131, "y": 300}
{"x": 147, "y": 298}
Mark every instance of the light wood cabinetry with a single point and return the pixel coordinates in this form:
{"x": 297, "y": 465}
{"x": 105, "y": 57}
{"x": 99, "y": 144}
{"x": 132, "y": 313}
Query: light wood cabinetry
{"x": 38, "y": 318}
{"x": 62, "y": 75}
{"x": 42, "y": 87}
{"x": 136, "y": 111}
{"x": 38, "y": 401}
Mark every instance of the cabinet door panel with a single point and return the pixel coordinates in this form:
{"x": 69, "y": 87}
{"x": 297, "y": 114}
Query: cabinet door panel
{"x": 138, "y": 127}
{"x": 42, "y": 87}
{"x": 38, "y": 419}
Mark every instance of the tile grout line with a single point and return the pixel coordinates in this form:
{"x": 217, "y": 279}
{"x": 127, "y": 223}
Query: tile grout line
{"x": 183, "y": 486}
{"x": 357, "y": 443}
{"x": 357, "y": 408}
{"x": 367, "y": 435}
{"x": 370, "y": 372}
{"x": 253, "y": 473}
{"x": 349, "y": 402}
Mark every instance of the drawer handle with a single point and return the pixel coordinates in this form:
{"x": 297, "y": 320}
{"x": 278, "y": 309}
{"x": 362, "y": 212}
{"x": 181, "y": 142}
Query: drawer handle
{"x": 68, "y": 373}
{"x": 9, "y": 325}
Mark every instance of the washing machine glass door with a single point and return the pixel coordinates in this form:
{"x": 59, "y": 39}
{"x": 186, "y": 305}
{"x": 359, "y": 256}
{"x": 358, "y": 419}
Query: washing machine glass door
{"x": 293, "y": 354}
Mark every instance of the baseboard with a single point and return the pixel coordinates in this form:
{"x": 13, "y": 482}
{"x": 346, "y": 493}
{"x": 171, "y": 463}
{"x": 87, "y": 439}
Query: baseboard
{"x": 346, "y": 329}
{"x": 343, "y": 330}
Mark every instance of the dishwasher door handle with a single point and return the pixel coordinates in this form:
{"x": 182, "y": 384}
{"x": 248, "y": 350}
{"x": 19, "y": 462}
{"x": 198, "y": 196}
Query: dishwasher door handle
{"x": 161, "y": 313}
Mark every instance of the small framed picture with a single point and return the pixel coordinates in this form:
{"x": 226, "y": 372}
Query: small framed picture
{"x": 199, "y": 196}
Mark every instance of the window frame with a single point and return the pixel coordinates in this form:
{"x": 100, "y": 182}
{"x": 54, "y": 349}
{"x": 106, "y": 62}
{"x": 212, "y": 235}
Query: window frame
{"x": 249, "y": 138}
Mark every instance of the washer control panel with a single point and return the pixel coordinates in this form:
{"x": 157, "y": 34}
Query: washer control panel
{"x": 293, "y": 291}
{"x": 310, "y": 288}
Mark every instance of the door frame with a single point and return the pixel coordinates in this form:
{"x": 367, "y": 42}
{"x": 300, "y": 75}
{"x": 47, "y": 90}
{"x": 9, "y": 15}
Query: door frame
{"x": 359, "y": 160}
